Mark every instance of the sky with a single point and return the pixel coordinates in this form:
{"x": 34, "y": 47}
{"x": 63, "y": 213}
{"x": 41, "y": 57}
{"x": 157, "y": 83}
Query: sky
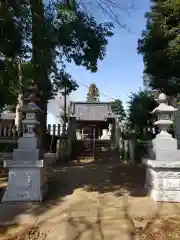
{"x": 120, "y": 73}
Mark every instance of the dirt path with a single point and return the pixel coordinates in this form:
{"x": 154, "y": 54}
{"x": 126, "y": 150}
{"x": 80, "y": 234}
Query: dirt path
{"x": 95, "y": 202}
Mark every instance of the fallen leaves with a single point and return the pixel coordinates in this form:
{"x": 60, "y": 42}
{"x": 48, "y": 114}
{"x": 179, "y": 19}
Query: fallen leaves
{"x": 32, "y": 233}
{"x": 159, "y": 229}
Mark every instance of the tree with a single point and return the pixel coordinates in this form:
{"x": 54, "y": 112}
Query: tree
{"x": 67, "y": 85}
{"x": 59, "y": 34}
{"x": 140, "y": 107}
{"x": 160, "y": 46}
{"x": 118, "y": 109}
{"x": 13, "y": 43}
{"x": 111, "y": 9}
{"x": 76, "y": 37}
{"x": 8, "y": 95}
{"x": 93, "y": 93}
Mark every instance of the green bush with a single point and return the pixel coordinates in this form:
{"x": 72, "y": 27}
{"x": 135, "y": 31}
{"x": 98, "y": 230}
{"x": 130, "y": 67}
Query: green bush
{"x": 140, "y": 150}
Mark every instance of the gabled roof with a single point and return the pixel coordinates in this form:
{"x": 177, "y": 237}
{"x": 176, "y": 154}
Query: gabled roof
{"x": 91, "y": 111}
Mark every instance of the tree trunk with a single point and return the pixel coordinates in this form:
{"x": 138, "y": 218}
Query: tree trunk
{"x": 39, "y": 47}
{"x": 19, "y": 114}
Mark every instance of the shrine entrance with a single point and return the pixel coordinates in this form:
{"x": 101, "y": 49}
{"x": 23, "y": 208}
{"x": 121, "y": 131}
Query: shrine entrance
{"x": 89, "y": 142}
{"x": 94, "y": 128}
{"x": 90, "y": 130}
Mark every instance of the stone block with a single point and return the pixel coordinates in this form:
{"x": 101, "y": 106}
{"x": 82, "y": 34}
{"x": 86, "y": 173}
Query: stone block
{"x": 26, "y": 184}
{"x": 23, "y": 164}
{"x": 165, "y": 196}
{"x": 28, "y": 142}
{"x": 50, "y": 157}
{"x": 160, "y": 173}
{"x": 26, "y": 155}
{"x": 163, "y": 149}
{"x": 165, "y": 184}
{"x": 163, "y": 180}
{"x": 164, "y": 143}
{"x": 167, "y": 155}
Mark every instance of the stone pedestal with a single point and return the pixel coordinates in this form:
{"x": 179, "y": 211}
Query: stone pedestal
{"x": 27, "y": 181}
{"x": 50, "y": 157}
{"x": 163, "y": 148}
{"x": 163, "y": 180}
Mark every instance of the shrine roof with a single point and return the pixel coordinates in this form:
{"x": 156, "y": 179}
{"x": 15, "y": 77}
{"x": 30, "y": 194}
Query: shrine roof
{"x": 91, "y": 111}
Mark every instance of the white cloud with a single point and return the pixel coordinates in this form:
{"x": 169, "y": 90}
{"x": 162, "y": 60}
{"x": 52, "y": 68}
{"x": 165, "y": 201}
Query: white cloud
{"x": 56, "y": 105}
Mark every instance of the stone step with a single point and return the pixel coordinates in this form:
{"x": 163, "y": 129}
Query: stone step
{"x": 91, "y": 153}
{"x": 5, "y": 155}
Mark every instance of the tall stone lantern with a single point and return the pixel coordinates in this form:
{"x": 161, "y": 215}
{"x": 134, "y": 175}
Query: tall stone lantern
{"x": 163, "y": 165}
{"x": 164, "y": 145}
{"x": 27, "y": 179}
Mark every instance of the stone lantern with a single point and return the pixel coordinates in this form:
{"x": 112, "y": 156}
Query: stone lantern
{"x": 27, "y": 179}
{"x": 164, "y": 144}
{"x": 163, "y": 165}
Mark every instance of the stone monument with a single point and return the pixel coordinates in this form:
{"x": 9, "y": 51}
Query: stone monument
{"x": 105, "y": 135}
{"x": 27, "y": 179}
{"x": 163, "y": 167}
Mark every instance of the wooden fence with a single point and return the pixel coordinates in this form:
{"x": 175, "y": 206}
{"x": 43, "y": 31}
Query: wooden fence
{"x": 11, "y": 131}
{"x": 9, "y": 135}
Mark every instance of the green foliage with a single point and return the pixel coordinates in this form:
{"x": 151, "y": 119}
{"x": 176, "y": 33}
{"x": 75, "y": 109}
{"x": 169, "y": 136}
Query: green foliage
{"x": 82, "y": 34}
{"x": 11, "y": 38}
{"x": 8, "y": 83}
{"x": 72, "y": 36}
{"x": 160, "y": 46}
{"x": 140, "y": 150}
{"x": 46, "y": 37}
{"x": 118, "y": 109}
{"x": 66, "y": 83}
{"x": 14, "y": 32}
{"x": 141, "y": 105}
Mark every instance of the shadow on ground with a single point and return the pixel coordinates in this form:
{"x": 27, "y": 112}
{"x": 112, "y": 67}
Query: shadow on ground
{"x": 122, "y": 180}
{"x": 102, "y": 178}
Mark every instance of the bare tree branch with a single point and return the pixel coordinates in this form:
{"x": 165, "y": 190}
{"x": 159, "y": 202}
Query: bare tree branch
{"x": 113, "y": 9}
{"x": 110, "y": 9}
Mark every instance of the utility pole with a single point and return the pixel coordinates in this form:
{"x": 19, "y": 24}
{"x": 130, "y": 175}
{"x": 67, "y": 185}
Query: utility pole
{"x": 65, "y": 107}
